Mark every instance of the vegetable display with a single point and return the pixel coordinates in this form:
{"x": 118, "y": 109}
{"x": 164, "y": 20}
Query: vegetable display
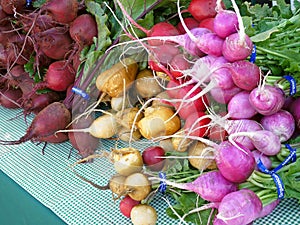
{"x": 212, "y": 85}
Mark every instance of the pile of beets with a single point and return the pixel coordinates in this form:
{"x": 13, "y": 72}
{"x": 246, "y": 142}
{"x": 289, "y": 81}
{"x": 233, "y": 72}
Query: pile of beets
{"x": 39, "y": 57}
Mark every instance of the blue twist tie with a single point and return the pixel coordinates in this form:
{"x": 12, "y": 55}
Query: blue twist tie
{"x": 253, "y": 54}
{"x": 293, "y": 85}
{"x": 162, "y": 186}
{"x": 278, "y": 182}
{"x": 28, "y": 3}
{"x": 80, "y": 92}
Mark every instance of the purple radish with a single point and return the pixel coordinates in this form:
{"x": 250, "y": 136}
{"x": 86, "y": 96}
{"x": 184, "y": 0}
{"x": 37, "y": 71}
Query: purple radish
{"x": 211, "y": 186}
{"x": 267, "y": 99}
{"x": 265, "y": 141}
{"x": 234, "y": 49}
{"x": 239, "y": 106}
{"x": 242, "y": 125}
{"x": 281, "y": 123}
{"x": 267, "y": 209}
{"x": 223, "y": 96}
{"x": 225, "y": 23}
{"x": 239, "y": 208}
{"x": 295, "y": 110}
{"x": 235, "y": 163}
{"x": 263, "y": 158}
{"x": 245, "y": 75}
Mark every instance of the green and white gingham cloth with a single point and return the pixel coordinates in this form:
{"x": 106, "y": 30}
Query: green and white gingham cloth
{"x": 50, "y": 180}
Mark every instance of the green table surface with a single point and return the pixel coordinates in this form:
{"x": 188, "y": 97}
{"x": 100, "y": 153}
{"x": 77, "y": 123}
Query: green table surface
{"x": 18, "y": 207}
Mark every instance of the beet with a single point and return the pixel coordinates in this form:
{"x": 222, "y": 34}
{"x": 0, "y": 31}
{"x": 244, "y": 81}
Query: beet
{"x": 52, "y": 118}
{"x": 83, "y": 29}
{"x": 10, "y": 97}
{"x": 83, "y": 142}
{"x": 62, "y": 11}
{"x": 55, "y": 42}
{"x": 8, "y": 6}
{"x": 39, "y": 101}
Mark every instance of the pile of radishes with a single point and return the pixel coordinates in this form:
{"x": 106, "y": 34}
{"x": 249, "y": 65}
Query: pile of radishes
{"x": 198, "y": 95}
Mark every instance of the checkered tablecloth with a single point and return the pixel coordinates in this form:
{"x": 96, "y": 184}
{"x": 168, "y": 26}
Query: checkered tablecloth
{"x": 49, "y": 179}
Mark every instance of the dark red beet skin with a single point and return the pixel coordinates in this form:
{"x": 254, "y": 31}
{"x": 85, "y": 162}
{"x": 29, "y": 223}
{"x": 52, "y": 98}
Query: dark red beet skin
{"x": 52, "y": 118}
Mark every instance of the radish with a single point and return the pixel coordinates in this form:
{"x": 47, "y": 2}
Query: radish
{"x": 159, "y": 29}
{"x": 267, "y": 99}
{"x": 239, "y": 106}
{"x": 265, "y": 141}
{"x": 126, "y": 205}
{"x": 151, "y": 157}
{"x": 223, "y": 96}
{"x": 211, "y": 186}
{"x": 237, "y": 46}
{"x": 225, "y": 23}
{"x": 197, "y": 124}
{"x": 190, "y": 23}
{"x": 143, "y": 214}
{"x": 208, "y": 23}
{"x": 138, "y": 186}
{"x": 202, "y": 9}
{"x": 242, "y": 125}
{"x": 236, "y": 164}
{"x": 49, "y": 120}
{"x": 263, "y": 158}
{"x": 239, "y": 207}
{"x": 281, "y": 123}
{"x": 245, "y": 75}
{"x": 295, "y": 110}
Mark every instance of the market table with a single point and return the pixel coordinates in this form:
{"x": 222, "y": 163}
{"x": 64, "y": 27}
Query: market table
{"x": 42, "y": 189}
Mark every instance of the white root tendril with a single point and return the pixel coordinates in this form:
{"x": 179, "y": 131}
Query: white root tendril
{"x": 242, "y": 33}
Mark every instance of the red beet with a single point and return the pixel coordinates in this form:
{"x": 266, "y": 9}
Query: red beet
{"x": 62, "y": 11}
{"x": 8, "y": 6}
{"x": 83, "y": 29}
{"x": 59, "y": 77}
{"x": 55, "y": 42}
{"x": 39, "y": 101}
{"x": 52, "y": 118}
{"x": 83, "y": 142}
{"x": 10, "y": 98}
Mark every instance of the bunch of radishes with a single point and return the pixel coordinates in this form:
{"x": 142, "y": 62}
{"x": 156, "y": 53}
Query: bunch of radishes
{"x": 214, "y": 64}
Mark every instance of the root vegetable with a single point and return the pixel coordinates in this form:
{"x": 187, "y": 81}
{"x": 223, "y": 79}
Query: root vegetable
{"x": 83, "y": 29}
{"x": 63, "y": 11}
{"x": 143, "y": 215}
{"x": 113, "y": 80}
{"x": 158, "y": 121}
{"x": 236, "y": 165}
{"x": 127, "y": 161}
{"x": 84, "y": 143}
{"x": 181, "y": 142}
{"x": 199, "y": 149}
{"x": 281, "y": 123}
{"x": 147, "y": 85}
{"x": 59, "y": 77}
{"x": 267, "y": 99}
{"x": 126, "y": 205}
{"x": 55, "y": 42}
{"x": 138, "y": 186}
{"x": 49, "y": 120}
{"x": 10, "y": 6}
{"x": 10, "y": 98}
{"x": 152, "y": 157}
